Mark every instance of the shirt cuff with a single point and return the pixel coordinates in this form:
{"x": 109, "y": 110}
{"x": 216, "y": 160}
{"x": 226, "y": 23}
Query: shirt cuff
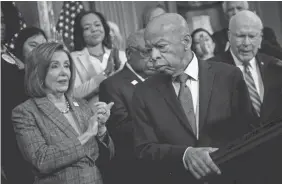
{"x": 183, "y": 158}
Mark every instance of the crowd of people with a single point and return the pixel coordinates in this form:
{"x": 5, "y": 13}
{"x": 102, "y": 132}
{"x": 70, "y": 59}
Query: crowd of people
{"x": 150, "y": 113}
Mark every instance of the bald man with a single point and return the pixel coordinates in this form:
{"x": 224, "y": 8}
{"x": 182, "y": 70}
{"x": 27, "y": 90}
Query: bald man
{"x": 269, "y": 44}
{"x": 119, "y": 89}
{"x": 245, "y": 36}
{"x": 177, "y": 122}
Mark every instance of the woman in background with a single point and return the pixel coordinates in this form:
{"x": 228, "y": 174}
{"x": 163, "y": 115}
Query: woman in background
{"x": 203, "y": 44}
{"x": 94, "y": 57}
{"x": 59, "y": 135}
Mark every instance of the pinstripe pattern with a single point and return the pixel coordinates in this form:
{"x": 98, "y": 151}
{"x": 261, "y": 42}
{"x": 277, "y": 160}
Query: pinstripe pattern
{"x": 50, "y": 144}
{"x": 252, "y": 90}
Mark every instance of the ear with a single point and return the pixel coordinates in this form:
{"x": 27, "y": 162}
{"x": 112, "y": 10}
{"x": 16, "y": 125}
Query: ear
{"x": 187, "y": 41}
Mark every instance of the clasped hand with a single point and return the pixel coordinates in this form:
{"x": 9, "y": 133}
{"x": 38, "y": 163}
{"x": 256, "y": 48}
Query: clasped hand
{"x": 199, "y": 162}
{"x": 97, "y": 122}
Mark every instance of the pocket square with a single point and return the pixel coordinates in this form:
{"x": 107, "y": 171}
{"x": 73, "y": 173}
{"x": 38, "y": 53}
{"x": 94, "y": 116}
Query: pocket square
{"x": 75, "y": 104}
{"x": 134, "y": 82}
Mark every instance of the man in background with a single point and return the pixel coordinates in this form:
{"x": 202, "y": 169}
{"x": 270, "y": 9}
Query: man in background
{"x": 119, "y": 89}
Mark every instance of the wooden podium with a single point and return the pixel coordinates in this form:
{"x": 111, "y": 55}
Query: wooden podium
{"x": 255, "y": 158}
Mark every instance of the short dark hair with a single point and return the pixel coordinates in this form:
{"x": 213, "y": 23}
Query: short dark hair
{"x": 79, "y": 42}
{"x": 37, "y": 67}
{"x": 204, "y": 30}
{"x": 25, "y": 34}
{"x": 147, "y": 12}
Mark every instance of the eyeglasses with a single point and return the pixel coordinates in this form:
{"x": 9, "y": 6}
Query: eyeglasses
{"x": 253, "y": 37}
{"x": 142, "y": 52}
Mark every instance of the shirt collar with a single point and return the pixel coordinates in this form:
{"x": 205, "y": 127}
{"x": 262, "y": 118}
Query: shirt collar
{"x": 193, "y": 68}
{"x": 239, "y": 63}
{"x": 107, "y": 51}
{"x": 131, "y": 69}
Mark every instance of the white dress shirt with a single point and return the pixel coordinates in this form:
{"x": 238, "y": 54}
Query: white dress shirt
{"x": 131, "y": 69}
{"x": 255, "y": 71}
{"x": 193, "y": 71}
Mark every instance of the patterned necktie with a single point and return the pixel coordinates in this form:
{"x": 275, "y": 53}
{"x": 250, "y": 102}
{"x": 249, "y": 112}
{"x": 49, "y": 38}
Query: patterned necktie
{"x": 252, "y": 89}
{"x": 186, "y": 100}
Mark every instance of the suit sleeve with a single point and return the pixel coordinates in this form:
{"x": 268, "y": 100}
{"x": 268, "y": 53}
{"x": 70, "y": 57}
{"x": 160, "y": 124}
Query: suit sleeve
{"x": 46, "y": 158}
{"x": 147, "y": 143}
{"x": 119, "y": 120}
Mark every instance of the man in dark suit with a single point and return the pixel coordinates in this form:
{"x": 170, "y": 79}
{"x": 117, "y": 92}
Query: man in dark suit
{"x": 263, "y": 76}
{"x": 266, "y": 72}
{"x": 178, "y": 123}
{"x": 119, "y": 89}
{"x": 269, "y": 43}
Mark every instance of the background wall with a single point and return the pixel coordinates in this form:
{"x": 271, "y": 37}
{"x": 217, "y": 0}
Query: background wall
{"x": 269, "y": 11}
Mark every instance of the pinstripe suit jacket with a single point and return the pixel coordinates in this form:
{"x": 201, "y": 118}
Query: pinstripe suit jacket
{"x": 50, "y": 144}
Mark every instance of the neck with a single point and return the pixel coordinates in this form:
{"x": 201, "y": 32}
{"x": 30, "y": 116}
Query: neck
{"x": 96, "y": 50}
{"x": 56, "y": 98}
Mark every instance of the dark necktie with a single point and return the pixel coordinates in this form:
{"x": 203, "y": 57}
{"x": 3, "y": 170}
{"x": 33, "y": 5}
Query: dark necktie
{"x": 186, "y": 100}
{"x": 252, "y": 89}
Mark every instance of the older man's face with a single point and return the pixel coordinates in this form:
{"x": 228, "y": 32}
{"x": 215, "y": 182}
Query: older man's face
{"x": 166, "y": 49}
{"x": 245, "y": 40}
{"x": 234, "y": 7}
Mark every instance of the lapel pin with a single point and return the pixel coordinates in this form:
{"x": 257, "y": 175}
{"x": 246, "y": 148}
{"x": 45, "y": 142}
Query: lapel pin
{"x": 134, "y": 82}
{"x": 75, "y": 104}
{"x": 261, "y": 63}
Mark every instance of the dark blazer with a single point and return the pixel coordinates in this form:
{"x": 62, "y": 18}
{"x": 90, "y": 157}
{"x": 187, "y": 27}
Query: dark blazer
{"x": 15, "y": 167}
{"x": 162, "y": 132}
{"x": 271, "y": 73}
{"x": 119, "y": 89}
{"x": 268, "y": 46}
{"x": 49, "y": 143}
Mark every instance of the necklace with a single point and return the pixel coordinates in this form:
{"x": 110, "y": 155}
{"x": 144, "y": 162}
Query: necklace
{"x": 67, "y": 109}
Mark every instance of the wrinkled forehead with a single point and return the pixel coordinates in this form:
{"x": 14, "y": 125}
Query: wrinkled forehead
{"x": 246, "y": 25}
{"x": 161, "y": 31}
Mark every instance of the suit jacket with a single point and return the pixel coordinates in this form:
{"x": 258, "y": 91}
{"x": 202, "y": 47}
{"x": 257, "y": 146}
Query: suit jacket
{"x": 162, "y": 132}
{"x": 87, "y": 79}
{"x": 16, "y": 169}
{"x": 49, "y": 143}
{"x": 268, "y": 47}
{"x": 119, "y": 89}
{"x": 271, "y": 74}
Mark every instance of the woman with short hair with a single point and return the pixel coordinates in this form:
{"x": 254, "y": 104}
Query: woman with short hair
{"x": 58, "y": 134}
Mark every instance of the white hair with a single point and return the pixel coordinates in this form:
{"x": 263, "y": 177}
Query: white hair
{"x": 225, "y": 3}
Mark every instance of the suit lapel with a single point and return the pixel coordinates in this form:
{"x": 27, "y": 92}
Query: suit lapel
{"x": 49, "y": 109}
{"x": 206, "y": 78}
{"x": 167, "y": 91}
{"x": 79, "y": 115}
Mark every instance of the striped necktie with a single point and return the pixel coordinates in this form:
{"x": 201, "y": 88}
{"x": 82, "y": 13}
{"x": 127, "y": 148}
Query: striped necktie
{"x": 186, "y": 100}
{"x": 252, "y": 89}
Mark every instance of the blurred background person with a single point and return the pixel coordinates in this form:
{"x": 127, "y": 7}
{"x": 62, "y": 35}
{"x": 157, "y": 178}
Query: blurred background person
{"x": 94, "y": 57}
{"x": 13, "y": 93}
{"x": 151, "y": 12}
{"x": 203, "y": 44}
{"x": 119, "y": 89}
{"x": 59, "y": 135}
{"x": 116, "y": 36}
{"x": 27, "y": 40}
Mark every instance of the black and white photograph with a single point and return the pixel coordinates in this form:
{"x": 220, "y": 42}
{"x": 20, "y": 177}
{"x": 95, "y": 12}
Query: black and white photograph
{"x": 141, "y": 92}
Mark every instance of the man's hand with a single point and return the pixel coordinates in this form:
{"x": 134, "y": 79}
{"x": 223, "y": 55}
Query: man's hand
{"x": 199, "y": 161}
